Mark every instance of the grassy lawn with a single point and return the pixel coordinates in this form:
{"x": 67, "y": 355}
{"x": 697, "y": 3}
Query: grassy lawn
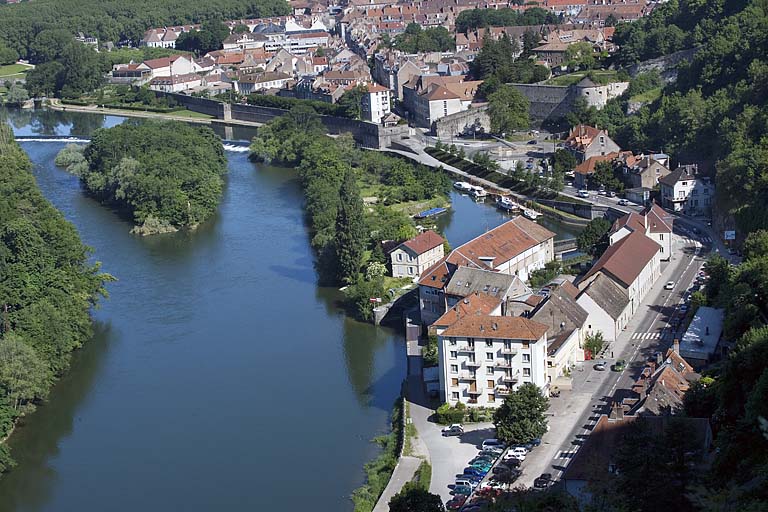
{"x": 13, "y": 70}
{"x": 573, "y": 78}
{"x": 189, "y": 113}
{"x": 648, "y": 96}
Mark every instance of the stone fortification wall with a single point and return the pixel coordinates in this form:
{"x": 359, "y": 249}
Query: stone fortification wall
{"x": 547, "y": 101}
{"x": 467, "y": 122}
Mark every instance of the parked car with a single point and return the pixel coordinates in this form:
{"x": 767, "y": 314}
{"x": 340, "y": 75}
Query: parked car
{"x": 518, "y": 450}
{"x": 612, "y": 193}
{"x": 583, "y": 193}
{"x": 456, "y": 502}
{"x": 453, "y": 430}
{"x": 600, "y": 367}
{"x": 492, "y": 443}
{"x": 531, "y": 142}
{"x": 533, "y": 444}
{"x": 491, "y": 452}
{"x": 473, "y": 472}
{"x": 510, "y": 462}
{"x": 670, "y": 285}
{"x": 462, "y": 489}
{"x": 602, "y": 192}
{"x": 623, "y": 202}
{"x": 467, "y": 482}
{"x": 543, "y": 481}
{"x": 619, "y": 365}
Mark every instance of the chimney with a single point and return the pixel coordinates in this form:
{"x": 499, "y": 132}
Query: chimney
{"x": 494, "y": 326}
{"x": 676, "y": 346}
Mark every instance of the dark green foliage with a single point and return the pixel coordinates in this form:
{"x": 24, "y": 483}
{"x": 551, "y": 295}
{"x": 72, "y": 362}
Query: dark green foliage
{"x": 478, "y": 18}
{"x": 116, "y": 20}
{"x": 74, "y": 69}
{"x": 359, "y": 294}
{"x": 415, "y": 39}
{"x": 429, "y": 353}
{"x": 564, "y": 161}
{"x": 520, "y": 419}
{"x": 47, "y": 287}
{"x": 539, "y": 278}
{"x": 350, "y": 239}
{"x": 320, "y": 107}
{"x": 351, "y": 102}
{"x": 414, "y": 499}
{"x": 447, "y": 414}
{"x": 606, "y": 175}
{"x": 207, "y": 39}
{"x": 508, "y": 110}
{"x": 594, "y": 343}
{"x": 8, "y": 55}
{"x": 157, "y": 172}
{"x": 496, "y": 65}
{"x": 594, "y": 238}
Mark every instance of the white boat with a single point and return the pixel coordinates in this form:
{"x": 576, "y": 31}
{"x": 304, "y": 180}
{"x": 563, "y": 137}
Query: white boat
{"x": 531, "y": 214}
{"x": 478, "y": 192}
{"x": 507, "y": 204}
{"x": 463, "y": 186}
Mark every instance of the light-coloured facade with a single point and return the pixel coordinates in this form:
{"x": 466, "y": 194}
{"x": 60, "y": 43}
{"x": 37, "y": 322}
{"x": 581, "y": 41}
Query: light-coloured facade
{"x": 483, "y": 358}
{"x": 168, "y": 66}
{"x": 684, "y": 190}
{"x": 414, "y": 256}
{"x": 375, "y": 103}
{"x": 562, "y": 358}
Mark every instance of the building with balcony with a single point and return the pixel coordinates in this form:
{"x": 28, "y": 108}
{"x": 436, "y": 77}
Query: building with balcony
{"x": 483, "y": 358}
{"x": 685, "y": 190}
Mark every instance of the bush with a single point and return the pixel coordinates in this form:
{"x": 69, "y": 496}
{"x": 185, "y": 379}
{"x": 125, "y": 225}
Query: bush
{"x": 6, "y": 461}
{"x": 430, "y": 352}
{"x": 446, "y": 414}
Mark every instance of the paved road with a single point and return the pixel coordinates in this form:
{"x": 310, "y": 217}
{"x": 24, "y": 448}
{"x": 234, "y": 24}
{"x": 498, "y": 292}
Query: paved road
{"x": 403, "y": 474}
{"x": 646, "y": 333}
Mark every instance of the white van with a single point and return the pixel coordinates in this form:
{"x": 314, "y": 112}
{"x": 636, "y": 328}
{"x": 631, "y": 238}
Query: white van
{"x": 492, "y": 443}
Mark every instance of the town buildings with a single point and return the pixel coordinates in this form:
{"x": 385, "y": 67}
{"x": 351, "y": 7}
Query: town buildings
{"x": 428, "y": 98}
{"x": 653, "y": 222}
{"x": 516, "y": 247}
{"x": 587, "y": 141}
{"x": 685, "y": 190}
{"x": 483, "y": 358}
{"x": 414, "y": 256}
{"x": 376, "y": 103}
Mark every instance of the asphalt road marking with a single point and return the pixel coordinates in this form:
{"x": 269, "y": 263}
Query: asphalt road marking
{"x": 646, "y": 336}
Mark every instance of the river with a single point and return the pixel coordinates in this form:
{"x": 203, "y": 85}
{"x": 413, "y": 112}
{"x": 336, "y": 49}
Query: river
{"x": 220, "y": 377}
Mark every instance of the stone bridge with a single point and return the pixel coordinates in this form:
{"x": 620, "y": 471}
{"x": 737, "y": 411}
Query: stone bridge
{"x": 564, "y": 246}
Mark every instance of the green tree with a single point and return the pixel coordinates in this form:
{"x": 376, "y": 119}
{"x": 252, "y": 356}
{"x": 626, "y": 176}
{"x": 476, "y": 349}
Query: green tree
{"x": 611, "y": 20}
{"x": 349, "y": 242}
{"x": 508, "y": 110}
{"x": 16, "y": 95}
{"x": 580, "y": 55}
{"x": 564, "y": 161}
{"x": 7, "y": 55}
{"x": 46, "y": 79}
{"x": 520, "y": 419}
{"x": 605, "y": 176}
{"x": 23, "y": 376}
{"x": 414, "y": 499}
{"x": 593, "y": 240}
{"x": 352, "y": 101}
{"x": 81, "y": 69}
{"x": 594, "y": 343}
{"x": 756, "y": 244}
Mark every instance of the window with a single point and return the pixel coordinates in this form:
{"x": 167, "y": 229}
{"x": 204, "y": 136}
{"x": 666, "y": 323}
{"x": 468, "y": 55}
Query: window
{"x": 489, "y": 370}
{"x": 489, "y": 356}
{"x": 526, "y": 372}
{"x": 399, "y": 256}
{"x": 661, "y": 236}
{"x": 526, "y": 358}
{"x": 602, "y": 140}
{"x": 452, "y": 341}
{"x": 508, "y": 345}
{"x": 410, "y": 270}
{"x": 491, "y": 397}
{"x": 490, "y": 383}
{"x": 455, "y": 395}
{"x": 454, "y": 354}
{"x": 454, "y": 368}
{"x": 454, "y": 382}
{"x": 488, "y": 343}
{"x": 685, "y": 183}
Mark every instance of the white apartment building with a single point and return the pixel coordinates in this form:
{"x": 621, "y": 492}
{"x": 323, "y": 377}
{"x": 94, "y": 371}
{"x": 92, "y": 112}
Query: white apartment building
{"x": 168, "y": 66}
{"x": 483, "y": 358}
{"x": 376, "y": 104}
{"x": 654, "y": 222}
{"x": 684, "y": 190}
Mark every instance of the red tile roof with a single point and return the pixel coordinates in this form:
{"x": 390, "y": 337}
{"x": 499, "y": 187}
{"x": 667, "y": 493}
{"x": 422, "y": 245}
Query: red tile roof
{"x": 500, "y": 327}
{"x": 625, "y": 259}
{"x": 476, "y": 304}
{"x": 588, "y": 165}
{"x": 424, "y": 242}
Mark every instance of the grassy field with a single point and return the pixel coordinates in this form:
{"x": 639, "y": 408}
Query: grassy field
{"x": 648, "y": 96}
{"x": 13, "y": 70}
{"x": 573, "y": 78}
{"x": 189, "y": 113}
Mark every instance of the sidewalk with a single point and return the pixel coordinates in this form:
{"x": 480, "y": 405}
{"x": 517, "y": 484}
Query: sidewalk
{"x": 404, "y": 472}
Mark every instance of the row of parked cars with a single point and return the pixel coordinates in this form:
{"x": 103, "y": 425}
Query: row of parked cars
{"x": 494, "y": 468}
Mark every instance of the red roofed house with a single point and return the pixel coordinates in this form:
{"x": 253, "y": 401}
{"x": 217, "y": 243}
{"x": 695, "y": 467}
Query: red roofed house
{"x": 168, "y": 66}
{"x": 654, "y": 222}
{"x": 414, "y": 256}
{"x": 583, "y": 171}
{"x": 614, "y": 288}
{"x": 482, "y": 358}
{"x": 587, "y": 141}
{"x": 517, "y": 247}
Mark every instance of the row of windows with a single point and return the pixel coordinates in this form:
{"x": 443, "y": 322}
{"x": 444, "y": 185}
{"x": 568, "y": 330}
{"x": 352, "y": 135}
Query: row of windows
{"x": 453, "y": 354}
{"x": 488, "y": 342}
{"x": 489, "y": 371}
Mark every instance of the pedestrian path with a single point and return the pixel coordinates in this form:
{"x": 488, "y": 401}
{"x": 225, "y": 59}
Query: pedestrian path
{"x": 646, "y": 336}
{"x": 404, "y": 472}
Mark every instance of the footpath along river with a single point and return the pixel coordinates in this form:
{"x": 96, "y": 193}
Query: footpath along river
{"x": 221, "y": 377}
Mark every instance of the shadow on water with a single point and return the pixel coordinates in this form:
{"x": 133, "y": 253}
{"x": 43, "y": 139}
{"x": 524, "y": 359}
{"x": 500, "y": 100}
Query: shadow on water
{"x": 36, "y": 439}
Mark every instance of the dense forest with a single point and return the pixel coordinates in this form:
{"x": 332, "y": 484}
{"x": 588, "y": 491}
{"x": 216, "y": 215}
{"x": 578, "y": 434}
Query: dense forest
{"x": 716, "y": 113}
{"x": 165, "y": 175}
{"x": 47, "y": 287}
{"x": 335, "y": 175}
{"x": 117, "y": 20}
{"x": 479, "y": 18}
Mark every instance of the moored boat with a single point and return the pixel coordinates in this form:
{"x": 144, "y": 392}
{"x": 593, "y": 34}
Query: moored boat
{"x": 462, "y": 186}
{"x": 507, "y": 204}
{"x": 531, "y": 214}
{"x": 478, "y": 192}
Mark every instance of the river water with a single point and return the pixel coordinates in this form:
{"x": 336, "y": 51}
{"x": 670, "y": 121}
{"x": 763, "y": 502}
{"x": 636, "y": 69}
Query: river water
{"x": 220, "y": 377}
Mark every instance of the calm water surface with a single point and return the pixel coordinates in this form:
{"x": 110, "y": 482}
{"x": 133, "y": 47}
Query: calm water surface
{"x": 220, "y": 377}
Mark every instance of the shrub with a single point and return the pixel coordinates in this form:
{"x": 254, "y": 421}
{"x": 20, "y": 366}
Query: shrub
{"x": 446, "y": 414}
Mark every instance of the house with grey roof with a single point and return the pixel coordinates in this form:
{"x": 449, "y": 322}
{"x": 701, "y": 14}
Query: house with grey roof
{"x": 607, "y": 306}
{"x": 468, "y": 280}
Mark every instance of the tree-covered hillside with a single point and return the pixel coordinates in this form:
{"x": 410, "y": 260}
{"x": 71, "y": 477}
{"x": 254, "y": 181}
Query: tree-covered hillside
{"x": 47, "y": 287}
{"x": 164, "y": 174}
{"x": 715, "y": 114}
{"x": 116, "y": 20}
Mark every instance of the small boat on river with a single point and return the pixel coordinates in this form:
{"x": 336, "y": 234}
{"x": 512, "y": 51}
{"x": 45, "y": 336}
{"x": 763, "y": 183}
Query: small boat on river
{"x": 463, "y": 186}
{"x": 432, "y": 212}
{"x": 531, "y": 214}
{"x": 478, "y": 193}
{"x": 507, "y": 204}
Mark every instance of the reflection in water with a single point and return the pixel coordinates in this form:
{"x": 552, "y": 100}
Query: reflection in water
{"x": 35, "y": 440}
